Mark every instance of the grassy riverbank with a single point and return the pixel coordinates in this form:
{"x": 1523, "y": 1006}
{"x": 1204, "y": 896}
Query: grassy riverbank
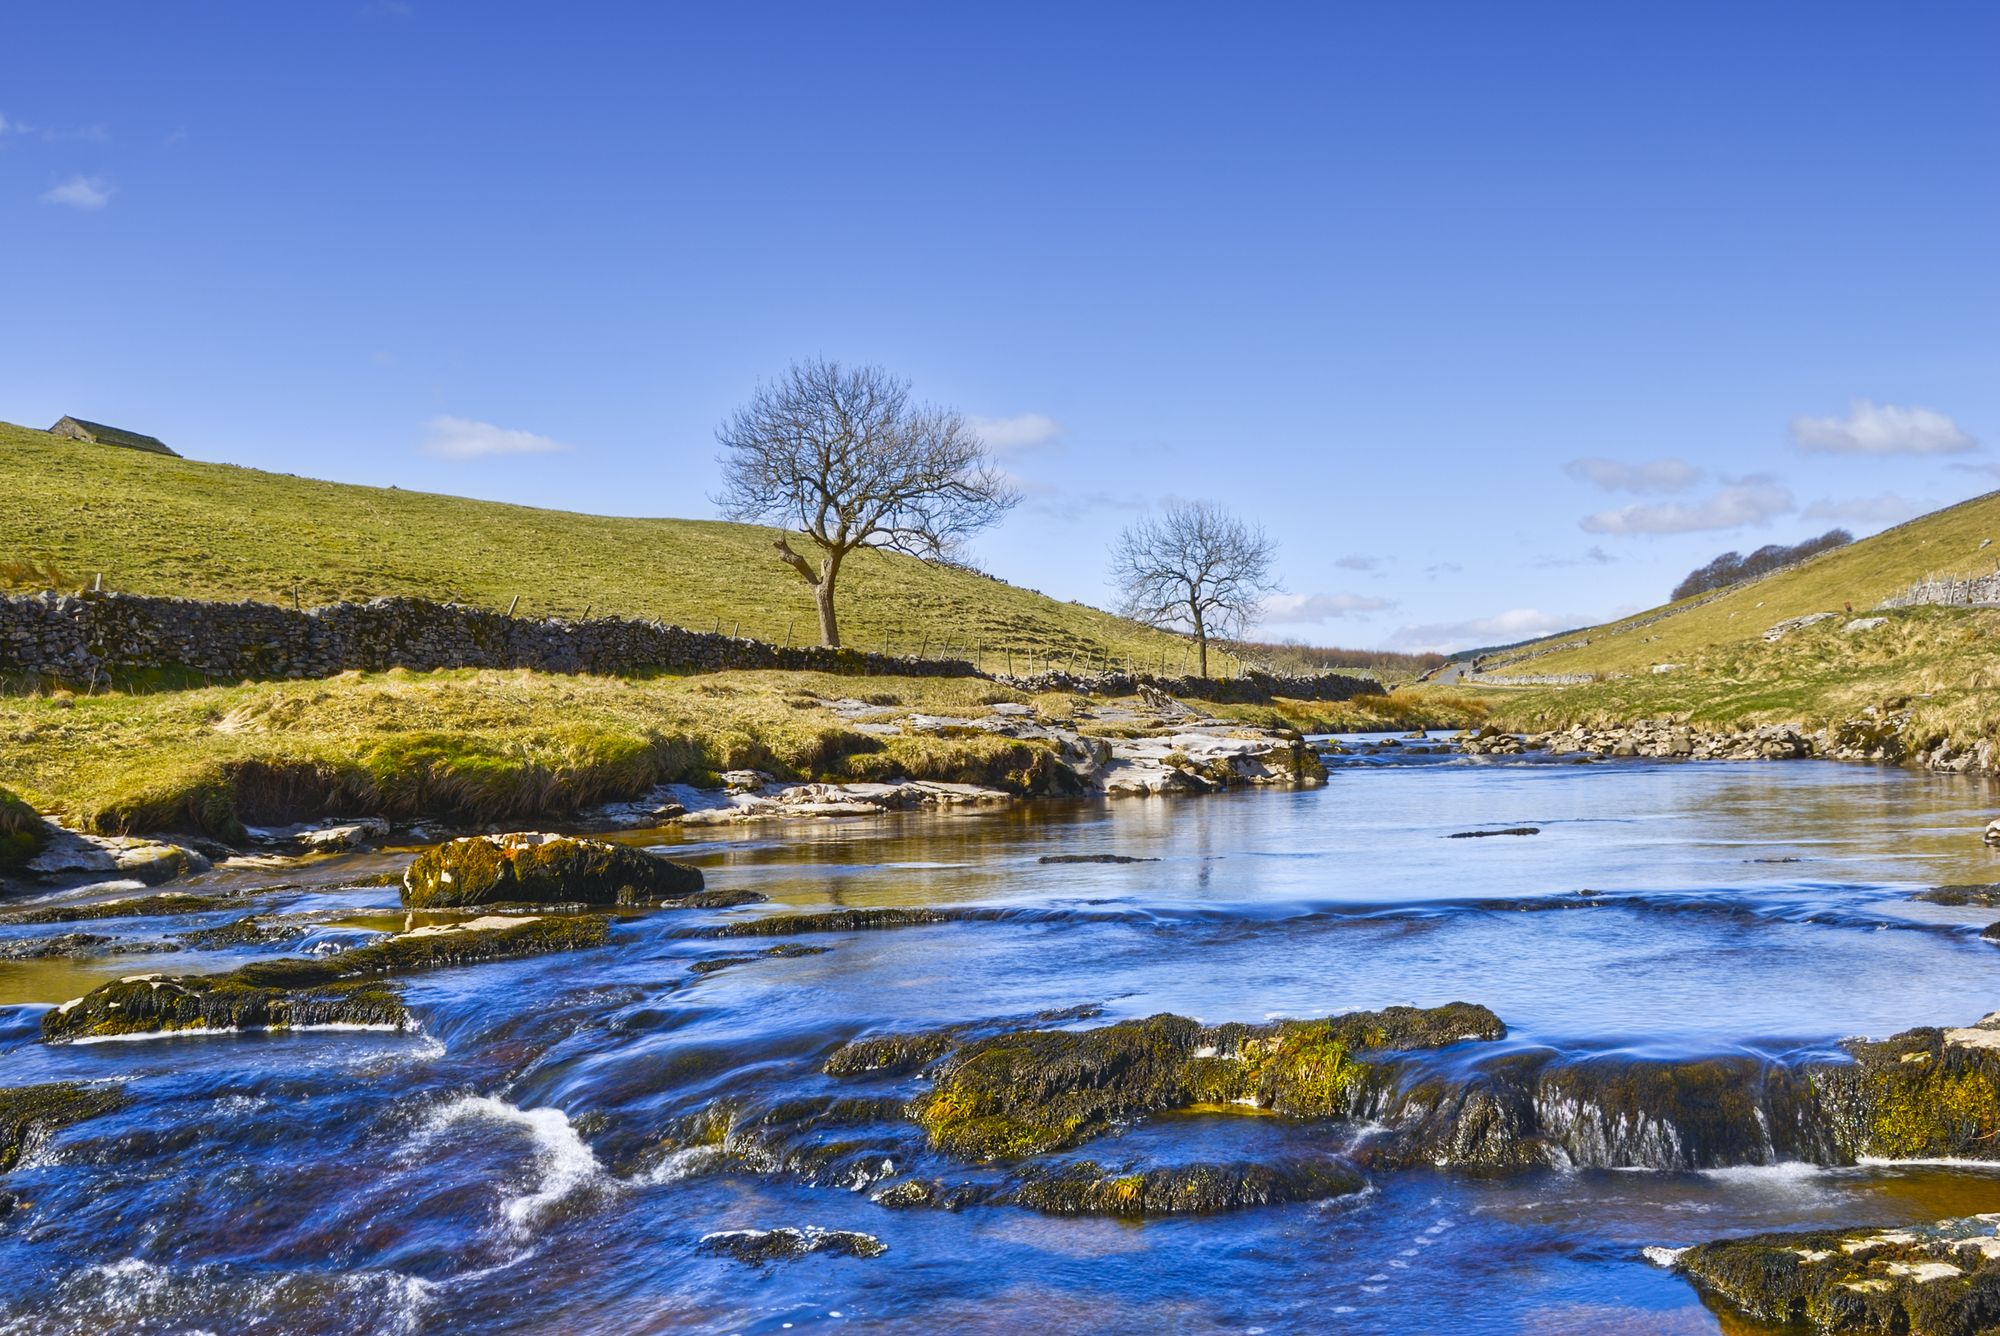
{"x": 150, "y": 524}
{"x": 472, "y": 745}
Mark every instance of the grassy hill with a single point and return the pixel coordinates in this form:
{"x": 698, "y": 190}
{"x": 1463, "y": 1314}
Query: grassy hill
{"x": 1938, "y": 666}
{"x": 156, "y": 525}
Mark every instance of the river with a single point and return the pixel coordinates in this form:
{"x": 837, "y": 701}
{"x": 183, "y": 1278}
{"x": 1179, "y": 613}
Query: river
{"x": 521, "y": 1162}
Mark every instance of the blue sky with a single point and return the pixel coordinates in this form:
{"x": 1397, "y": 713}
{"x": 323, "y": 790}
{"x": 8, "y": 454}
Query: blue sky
{"x": 1500, "y": 318}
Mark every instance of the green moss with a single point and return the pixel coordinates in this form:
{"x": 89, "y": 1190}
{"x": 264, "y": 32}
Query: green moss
{"x": 834, "y": 920}
{"x": 1921, "y": 1097}
{"x": 30, "y": 1113}
{"x": 486, "y": 869}
{"x": 22, "y": 832}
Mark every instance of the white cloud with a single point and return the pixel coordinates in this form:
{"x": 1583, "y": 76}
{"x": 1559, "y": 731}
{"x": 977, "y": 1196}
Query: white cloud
{"x": 80, "y": 192}
{"x": 1024, "y": 431}
{"x": 1652, "y": 476}
{"x": 1885, "y": 508}
{"x": 1505, "y": 628}
{"x": 1886, "y": 429}
{"x": 90, "y": 134}
{"x": 1297, "y": 609}
{"x": 462, "y": 438}
{"x": 1747, "y": 501}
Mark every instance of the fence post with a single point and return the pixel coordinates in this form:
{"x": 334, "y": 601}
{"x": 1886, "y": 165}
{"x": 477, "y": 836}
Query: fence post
{"x": 510, "y": 607}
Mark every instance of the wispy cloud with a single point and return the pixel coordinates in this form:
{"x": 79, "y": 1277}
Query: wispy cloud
{"x": 1747, "y": 501}
{"x": 1298, "y": 609}
{"x": 11, "y": 127}
{"x": 1884, "y": 508}
{"x": 1024, "y": 431}
{"x": 463, "y": 438}
{"x": 1884, "y": 429}
{"x": 1356, "y": 561}
{"x": 1592, "y": 556}
{"x": 1647, "y": 478}
{"x": 80, "y": 192}
{"x": 1504, "y": 628}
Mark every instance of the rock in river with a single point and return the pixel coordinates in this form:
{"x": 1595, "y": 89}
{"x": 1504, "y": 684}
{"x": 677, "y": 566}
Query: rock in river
{"x": 1924, "y": 1280}
{"x": 542, "y": 869}
{"x": 772, "y": 1245}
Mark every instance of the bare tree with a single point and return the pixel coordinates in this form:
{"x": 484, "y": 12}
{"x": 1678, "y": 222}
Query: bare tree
{"x": 1196, "y": 568}
{"x": 843, "y": 457}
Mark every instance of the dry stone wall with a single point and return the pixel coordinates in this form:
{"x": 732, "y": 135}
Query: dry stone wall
{"x": 87, "y": 638}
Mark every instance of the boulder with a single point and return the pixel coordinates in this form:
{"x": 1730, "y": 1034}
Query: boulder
{"x": 30, "y": 1114}
{"x": 542, "y": 869}
{"x": 758, "y": 1246}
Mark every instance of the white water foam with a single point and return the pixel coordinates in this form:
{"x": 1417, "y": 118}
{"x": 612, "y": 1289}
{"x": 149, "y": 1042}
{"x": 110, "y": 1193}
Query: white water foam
{"x": 210, "y": 1031}
{"x": 139, "y": 1295}
{"x": 564, "y": 1163}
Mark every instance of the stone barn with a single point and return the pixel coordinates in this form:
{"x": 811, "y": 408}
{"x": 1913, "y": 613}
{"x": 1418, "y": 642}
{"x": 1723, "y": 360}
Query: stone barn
{"x": 98, "y": 434}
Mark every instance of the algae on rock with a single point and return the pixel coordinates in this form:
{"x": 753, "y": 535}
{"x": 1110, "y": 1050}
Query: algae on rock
{"x": 542, "y": 869}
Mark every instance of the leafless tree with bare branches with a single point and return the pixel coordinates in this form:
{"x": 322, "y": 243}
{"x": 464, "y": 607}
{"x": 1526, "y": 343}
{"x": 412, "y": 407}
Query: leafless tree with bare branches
{"x": 1194, "y": 568}
{"x": 844, "y": 458}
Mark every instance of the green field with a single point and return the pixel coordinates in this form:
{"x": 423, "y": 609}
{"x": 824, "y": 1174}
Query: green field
{"x": 155, "y": 525}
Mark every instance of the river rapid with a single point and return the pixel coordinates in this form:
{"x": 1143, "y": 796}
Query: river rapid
{"x": 523, "y": 1162}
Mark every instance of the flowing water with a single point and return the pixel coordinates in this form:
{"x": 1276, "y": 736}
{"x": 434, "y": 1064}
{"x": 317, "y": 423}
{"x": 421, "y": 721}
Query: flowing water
{"x": 502, "y": 1170}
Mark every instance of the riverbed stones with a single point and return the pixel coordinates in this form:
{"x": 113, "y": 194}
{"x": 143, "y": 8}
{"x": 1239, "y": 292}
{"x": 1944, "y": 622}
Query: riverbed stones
{"x": 1083, "y": 1187}
{"x": 542, "y": 869}
{"x": 1940, "y": 1279}
{"x": 69, "y": 854}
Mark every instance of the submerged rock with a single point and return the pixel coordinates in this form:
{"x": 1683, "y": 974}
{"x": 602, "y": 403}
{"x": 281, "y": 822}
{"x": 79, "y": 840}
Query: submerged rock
{"x": 75, "y": 946}
{"x": 1980, "y": 896}
{"x": 782, "y": 950}
{"x": 542, "y": 869}
{"x": 1482, "y": 834}
{"x": 1027, "y": 1092}
{"x": 1924, "y": 1280}
{"x": 758, "y": 1246}
{"x": 1093, "y": 858}
{"x": 1083, "y": 1188}
{"x": 30, "y": 1114}
{"x": 339, "y": 990}
{"x": 143, "y": 906}
{"x": 835, "y": 920}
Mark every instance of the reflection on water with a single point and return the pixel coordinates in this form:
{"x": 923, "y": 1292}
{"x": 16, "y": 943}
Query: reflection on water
{"x": 501, "y": 1171}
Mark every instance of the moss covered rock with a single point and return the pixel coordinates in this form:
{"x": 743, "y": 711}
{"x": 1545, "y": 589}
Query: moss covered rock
{"x": 344, "y": 989}
{"x": 28, "y": 1114}
{"x": 1027, "y": 1092}
{"x": 22, "y": 833}
{"x": 139, "y": 906}
{"x": 542, "y": 869}
{"x": 1083, "y": 1188}
{"x": 1925, "y": 1280}
{"x": 758, "y": 1246}
{"x": 150, "y": 1004}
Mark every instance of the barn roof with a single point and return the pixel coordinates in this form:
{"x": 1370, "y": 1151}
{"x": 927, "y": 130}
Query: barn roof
{"x": 131, "y": 440}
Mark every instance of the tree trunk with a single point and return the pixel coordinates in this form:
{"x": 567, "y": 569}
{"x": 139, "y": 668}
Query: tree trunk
{"x": 829, "y": 626}
{"x": 1201, "y": 643}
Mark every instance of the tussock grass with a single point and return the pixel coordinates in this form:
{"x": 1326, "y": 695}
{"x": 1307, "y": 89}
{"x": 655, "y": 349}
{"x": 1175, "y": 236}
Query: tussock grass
{"x": 471, "y": 745}
{"x": 155, "y": 525}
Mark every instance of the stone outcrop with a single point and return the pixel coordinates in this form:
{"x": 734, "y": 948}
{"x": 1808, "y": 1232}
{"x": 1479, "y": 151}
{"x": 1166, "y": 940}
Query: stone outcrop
{"x": 542, "y": 869}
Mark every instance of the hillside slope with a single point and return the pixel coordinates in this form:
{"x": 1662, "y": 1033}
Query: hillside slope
{"x": 154, "y": 525}
{"x": 1928, "y": 670}
{"x": 1947, "y": 542}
